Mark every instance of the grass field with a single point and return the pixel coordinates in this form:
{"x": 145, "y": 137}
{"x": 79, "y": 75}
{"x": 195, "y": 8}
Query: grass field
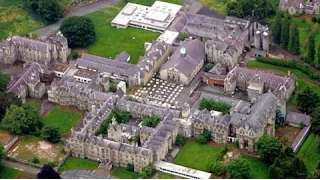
{"x": 29, "y": 147}
{"x": 73, "y": 163}
{"x": 62, "y": 119}
{"x": 163, "y": 175}
{"x": 8, "y": 173}
{"x": 217, "y": 5}
{"x": 259, "y": 169}
{"x": 111, "y": 41}
{"x": 309, "y": 152}
{"x": 122, "y": 173}
{"x": 197, "y": 156}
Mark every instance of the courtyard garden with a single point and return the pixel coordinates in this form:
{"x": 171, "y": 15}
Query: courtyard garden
{"x": 122, "y": 173}
{"x": 111, "y": 41}
{"x": 73, "y": 163}
{"x": 197, "y": 156}
{"x": 30, "y": 148}
{"x": 287, "y": 134}
{"x": 309, "y": 152}
{"x": 63, "y": 119}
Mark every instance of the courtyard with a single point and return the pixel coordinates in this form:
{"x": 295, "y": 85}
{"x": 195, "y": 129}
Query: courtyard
{"x": 29, "y": 147}
{"x": 111, "y": 41}
{"x": 73, "y": 163}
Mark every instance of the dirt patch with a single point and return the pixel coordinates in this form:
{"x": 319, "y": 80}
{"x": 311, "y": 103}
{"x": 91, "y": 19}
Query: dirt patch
{"x": 5, "y": 137}
{"x": 25, "y": 175}
{"x": 44, "y": 145}
{"x": 287, "y": 134}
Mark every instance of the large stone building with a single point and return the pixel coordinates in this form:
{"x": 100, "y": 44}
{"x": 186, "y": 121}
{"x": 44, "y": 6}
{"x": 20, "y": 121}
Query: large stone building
{"x": 46, "y": 51}
{"x": 185, "y": 63}
{"x": 256, "y": 82}
{"x": 28, "y": 83}
{"x": 300, "y": 6}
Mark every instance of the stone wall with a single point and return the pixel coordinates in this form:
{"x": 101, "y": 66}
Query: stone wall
{"x": 10, "y": 144}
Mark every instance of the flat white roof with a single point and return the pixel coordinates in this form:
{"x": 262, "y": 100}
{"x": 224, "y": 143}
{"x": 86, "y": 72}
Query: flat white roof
{"x": 181, "y": 169}
{"x": 160, "y": 14}
{"x": 168, "y": 36}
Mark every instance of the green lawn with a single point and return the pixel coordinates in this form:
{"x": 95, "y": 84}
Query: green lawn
{"x": 197, "y": 156}
{"x": 8, "y": 173}
{"x": 309, "y": 152}
{"x": 217, "y": 5}
{"x": 35, "y": 103}
{"x": 262, "y": 65}
{"x": 62, "y": 119}
{"x": 163, "y": 175}
{"x": 111, "y": 41}
{"x": 122, "y": 173}
{"x": 73, "y": 163}
{"x": 302, "y": 85}
{"x": 259, "y": 169}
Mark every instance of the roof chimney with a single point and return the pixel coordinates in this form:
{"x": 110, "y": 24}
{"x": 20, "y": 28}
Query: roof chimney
{"x": 183, "y": 51}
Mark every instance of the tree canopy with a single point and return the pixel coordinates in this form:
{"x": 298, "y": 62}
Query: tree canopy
{"x": 51, "y": 134}
{"x": 311, "y": 49}
{"x": 239, "y": 169}
{"x": 243, "y": 8}
{"x": 269, "y": 148}
{"x": 4, "y": 81}
{"x": 212, "y": 104}
{"x": 47, "y": 172}
{"x": 7, "y": 99}
{"x": 285, "y": 32}
{"x": 315, "y": 120}
{"x": 276, "y": 28}
{"x": 50, "y": 10}
{"x": 294, "y": 43}
{"x": 79, "y": 31}
{"x": 2, "y": 152}
{"x": 308, "y": 100}
{"x": 151, "y": 122}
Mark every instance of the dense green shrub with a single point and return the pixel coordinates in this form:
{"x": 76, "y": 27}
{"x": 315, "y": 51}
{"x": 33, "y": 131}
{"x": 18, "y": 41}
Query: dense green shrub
{"x": 218, "y": 168}
{"x": 212, "y": 104}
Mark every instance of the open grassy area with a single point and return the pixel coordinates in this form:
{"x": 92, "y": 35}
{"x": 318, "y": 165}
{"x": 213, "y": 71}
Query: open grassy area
{"x": 122, "y": 173}
{"x": 163, "y": 175}
{"x": 73, "y": 163}
{"x": 62, "y": 119}
{"x": 217, "y": 5}
{"x": 259, "y": 169}
{"x": 197, "y": 156}
{"x": 35, "y": 103}
{"x": 111, "y": 41}
{"x": 309, "y": 152}
{"x": 29, "y": 147}
{"x": 8, "y": 173}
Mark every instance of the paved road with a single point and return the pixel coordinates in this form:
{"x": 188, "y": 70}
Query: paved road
{"x": 21, "y": 167}
{"x": 48, "y": 30}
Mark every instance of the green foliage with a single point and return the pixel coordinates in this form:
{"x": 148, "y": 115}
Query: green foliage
{"x": 311, "y": 49}
{"x": 148, "y": 171}
{"x": 130, "y": 167}
{"x": 212, "y": 104}
{"x": 202, "y": 139}
{"x": 268, "y": 147}
{"x": 151, "y": 122}
{"x": 285, "y": 32}
{"x": 315, "y": 174}
{"x": 182, "y": 36}
{"x": 222, "y": 152}
{"x": 218, "y": 168}
{"x": 294, "y": 43}
{"x": 22, "y": 120}
{"x": 276, "y": 28}
{"x": 301, "y": 125}
{"x": 2, "y": 152}
{"x": 4, "y": 81}
{"x": 75, "y": 55}
{"x": 276, "y": 172}
{"x": 243, "y": 8}
{"x": 50, "y": 10}
{"x": 288, "y": 151}
{"x": 52, "y": 164}
{"x": 239, "y": 169}
{"x": 180, "y": 140}
{"x": 308, "y": 100}
{"x": 79, "y": 31}
{"x": 113, "y": 89}
{"x": 51, "y": 134}
{"x": 35, "y": 160}
{"x": 7, "y": 99}
{"x": 315, "y": 121}
{"x": 208, "y": 67}
{"x": 207, "y": 134}
{"x": 299, "y": 169}
{"x": 122, "y": 173}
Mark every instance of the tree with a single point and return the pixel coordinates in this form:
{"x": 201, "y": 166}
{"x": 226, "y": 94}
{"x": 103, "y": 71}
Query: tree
{"x": 7, "y": 99}
{"x": 79, "y": 30}
{"x": 285, "y": 29}
{"x": 242, "y": 8}
{"x": 14, "y": 119}
{"x": 308, "y": 100}
{"x": 218, "y": 168}
{"x": 151, "y": 122}
{"x": 299, "y": 169}
{"x": 4, "y": 81}
{"x": 276, "y": 172}
{"x": 315, "y": 121}
{"x": 147, "y": 171}
{"x": 51, "y": 134}
{"x": 2, "y": 152}
{"x": 294, "y": 43}
{"x": 276, "y": 28}
{"x": 208, "y": 67}
{"x": 50, "y": 10}
{"x": 47, "y": 172}
{"x": 130, "y": 167}
{"x": 207, "y": 134}
{"x": 288, "y": 151}
{"x": 317, "y": 63}
{"x": 311, "y": 49}
{"x": 239, "y": 169}
{"x": 202, "y": 139}
{"x": 34, "y": 121}
{"x": 268, "y": 147}
{"x": 180, "y": 140}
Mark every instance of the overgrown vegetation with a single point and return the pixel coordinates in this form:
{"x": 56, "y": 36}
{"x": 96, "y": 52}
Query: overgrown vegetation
{"x": 151, "y": 122}
{"x": 244, "y": 8}
{"x": 212, "y": 104}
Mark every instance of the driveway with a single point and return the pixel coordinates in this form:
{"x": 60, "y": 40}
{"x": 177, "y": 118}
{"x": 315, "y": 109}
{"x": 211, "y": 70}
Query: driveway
{"x": 84, "y": 10}
{"x": 21, "y": 167}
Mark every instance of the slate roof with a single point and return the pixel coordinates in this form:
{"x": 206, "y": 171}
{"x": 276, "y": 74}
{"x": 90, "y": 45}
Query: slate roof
{"x": 195, "y": 53}
{"x": 123, "y": 56}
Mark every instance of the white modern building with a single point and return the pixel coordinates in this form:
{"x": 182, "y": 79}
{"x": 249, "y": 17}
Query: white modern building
{"x": 181, "y": 171}
{"x": 155, "y": 18}
{"x": 169, "y": 37}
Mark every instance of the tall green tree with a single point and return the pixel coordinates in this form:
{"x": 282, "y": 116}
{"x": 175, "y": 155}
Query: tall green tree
{"x": 51, "y": 134}
{"x": 315, "y": 120}
{"x": 2, "y": 152}
{"x": 4, "y": 81}
{"x": 269, "y": 148}
{"x": 14, "y": 119}
{"x": 317, "y": 62}
{"x": 239, "y": 169}
{"x": 285, "y": 30}
{"x": 311, "y": 49}
{"x": 7, "y": 99}
{"x": 33, "y": 122}
{"x": 299, "y": 169}
{"x": 50, "y": 10}
{"x": 294, "y": 43}
{"x": 308, "y": 100}
{"x": 276, "y": 29}
{"x": 242, "y": 8}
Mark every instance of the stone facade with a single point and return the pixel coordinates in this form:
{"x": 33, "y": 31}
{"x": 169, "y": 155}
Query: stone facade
{"x": 46, "y": 51}
{"x": 300, "y": 6}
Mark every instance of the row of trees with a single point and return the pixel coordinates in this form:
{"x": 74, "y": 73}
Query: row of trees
{"x": 286, "y": 34}
{"x": 244, "y": 8}
{"x": 313, "y": 58}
